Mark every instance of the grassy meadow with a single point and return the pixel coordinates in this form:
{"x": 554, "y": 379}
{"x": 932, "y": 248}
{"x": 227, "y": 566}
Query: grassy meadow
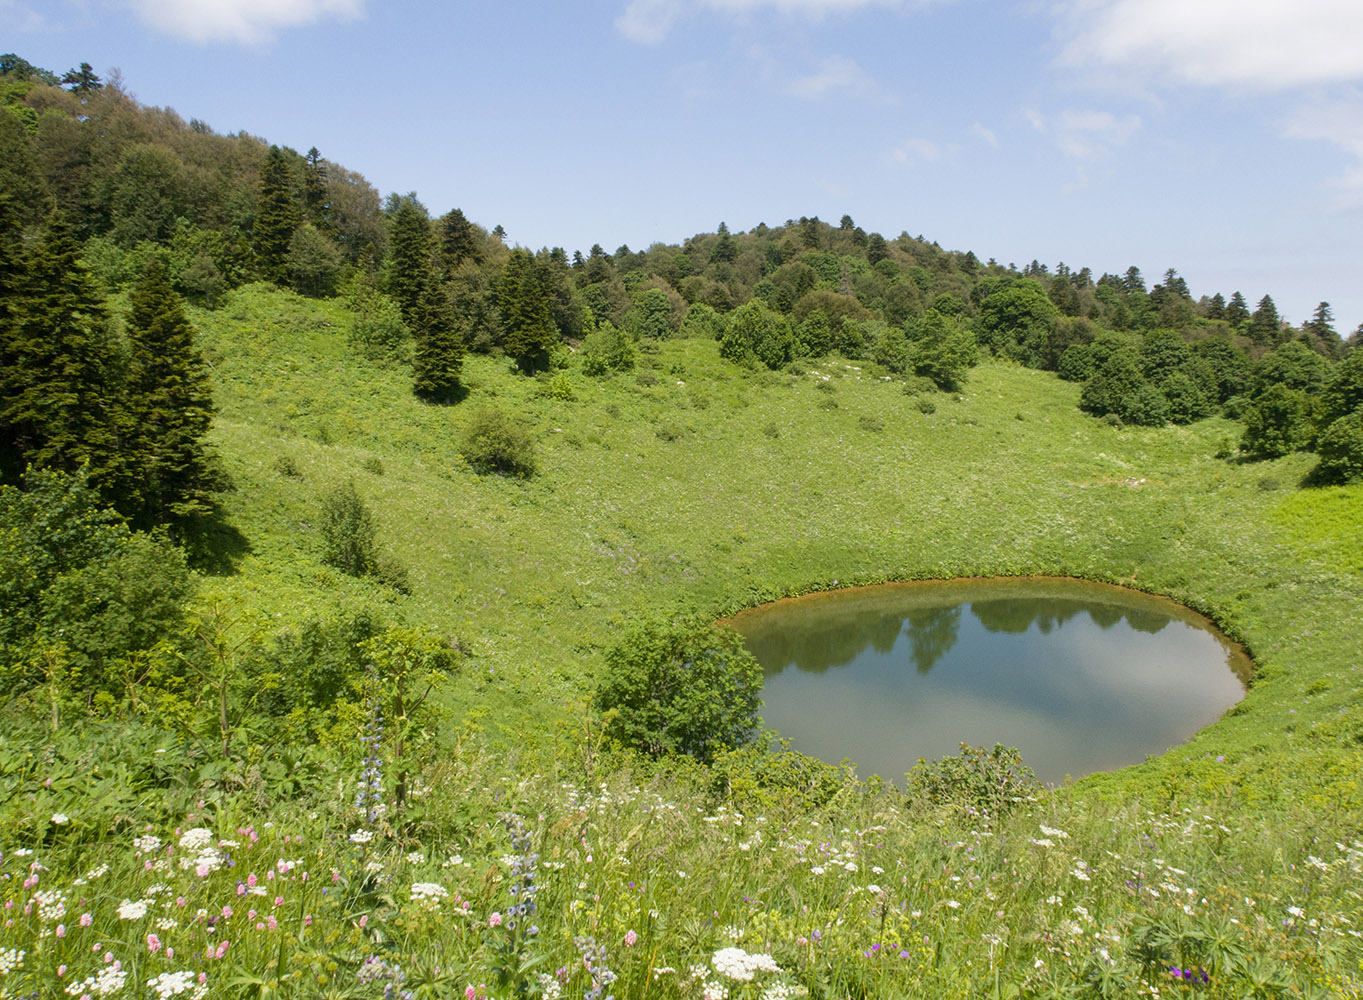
{"x": 1227, "y": 867}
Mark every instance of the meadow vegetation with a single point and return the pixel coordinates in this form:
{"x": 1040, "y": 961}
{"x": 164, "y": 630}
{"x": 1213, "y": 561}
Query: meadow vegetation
{"x": 357, "y": 790}
{"x": 355, "y": 613}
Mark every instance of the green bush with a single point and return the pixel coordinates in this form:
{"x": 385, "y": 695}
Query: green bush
{"x": 607, "y": 349}
{"x": 378, "y": 330}
{"x": 680, "y": 687}
{"x": 347, "y": 531}
{"x": 1341, "y": 450}
{"x": 495, "y": 442}
{"x": 977, "y": 780}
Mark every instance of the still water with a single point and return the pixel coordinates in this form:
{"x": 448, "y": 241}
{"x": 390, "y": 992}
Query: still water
{"x": 1080, "y": 677}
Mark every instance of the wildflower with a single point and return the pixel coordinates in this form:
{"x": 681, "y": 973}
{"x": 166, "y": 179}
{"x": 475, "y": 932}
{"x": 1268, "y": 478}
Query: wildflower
{"x": 132, "y": 910}
{"x": 361, "y": 837}
{"x": 1050, "y": 832}
{"x": 153, "y": 943}
{"x": 495, "y": 920}
{"x": 737, "y": 964}
{"x": 631, "y": 939}
{"x": 196, "y": 839}
{"x": 170, "y": 984}
{"x": 10, "y": 960}
{"x": 428, "y": 893}
{"x": 60, "y": 819}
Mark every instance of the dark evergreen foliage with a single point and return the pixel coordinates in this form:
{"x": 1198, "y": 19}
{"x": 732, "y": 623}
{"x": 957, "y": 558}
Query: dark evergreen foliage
{"x": 174, "y": 475}
{"x": 59, "y": 381}
{"x": 277, "y": 216}
{"x": 527, "y": 326}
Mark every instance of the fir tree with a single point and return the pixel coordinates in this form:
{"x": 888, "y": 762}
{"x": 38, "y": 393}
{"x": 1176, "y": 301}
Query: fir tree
{"x": 1237, "y": 310}
{"x": 527, "y": 326}
{"x": 276, "y": 218}
{"x": 409, "y": 257}
{"x": 439, "y": 348}
{"x": 458, "y": 241}
{"x": 170, "y": 409}
{"x": 58, "y": 382}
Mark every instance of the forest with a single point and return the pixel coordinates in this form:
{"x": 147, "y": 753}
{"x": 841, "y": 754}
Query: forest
{"x": 367, "y": 562}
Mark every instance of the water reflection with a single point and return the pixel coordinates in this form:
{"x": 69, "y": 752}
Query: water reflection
{"x": 1080, "y": 677}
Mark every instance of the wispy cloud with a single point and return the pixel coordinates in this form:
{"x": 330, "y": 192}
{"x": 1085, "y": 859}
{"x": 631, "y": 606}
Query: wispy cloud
{"x": 247, "y": 22}
{"x": 837, "y": 75}
{"x": 20, "y": 17}
{"x": 916, "y": 150}
{"x": 1244, "y": 44}
{"x": 649, "y": 21}
{"x": 1084, "y": 135}
{"x": 1339, "y": 122}
{"x": 985, "y": 135}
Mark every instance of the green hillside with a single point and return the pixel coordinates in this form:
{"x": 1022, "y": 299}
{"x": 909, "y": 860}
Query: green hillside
{"x": 694, "y": 484}
{"x": 338, "y": 730}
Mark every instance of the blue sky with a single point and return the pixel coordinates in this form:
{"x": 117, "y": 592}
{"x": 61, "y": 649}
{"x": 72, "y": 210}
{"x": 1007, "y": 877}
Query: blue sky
{"x": 1220, "y": 137}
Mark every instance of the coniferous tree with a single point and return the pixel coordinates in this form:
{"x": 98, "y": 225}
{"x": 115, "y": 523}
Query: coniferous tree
{"x": 458, "y": 241}
{"x": 527, "y": 326}
{"x": 1237, "y": 310}
{"x": 409, "y": 257}
{"x": 439, "y": 356}
{"x": 724, "y": 250}
{"x": 82, "y": 80}
{"x": 58, "y": 383}
{"x": 276, "y": 219}
{"x": 315, "y": 190}
{"x": 169, "y": 407}
{"x": 1264, "y": 324}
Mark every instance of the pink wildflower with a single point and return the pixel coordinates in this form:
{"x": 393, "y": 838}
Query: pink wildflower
{"x": 153, "y": 943}
{"x": 630, "y": 939}
{"x": 61, "y": 930}
{"x": 495, "y": 920}
{"x": 86, "y": 920}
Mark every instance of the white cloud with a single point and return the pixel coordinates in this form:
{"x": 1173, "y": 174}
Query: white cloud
{"x": 1085, "y": 135}
{"x": 1249, "y": 44}
{"x": 836, "y": 74}
{"x": 20, "y": 17}
{"x": 648, "y": 21}
{"x": 913, "y": 151}
{"x": 1339, "y": 122}
{"x": 985, "y": 135}
{"x": 249, "y": 22}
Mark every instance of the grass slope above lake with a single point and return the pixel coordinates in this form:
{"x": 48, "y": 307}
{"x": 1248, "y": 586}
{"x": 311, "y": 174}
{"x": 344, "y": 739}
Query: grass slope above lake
{"x": 692, "y": 483}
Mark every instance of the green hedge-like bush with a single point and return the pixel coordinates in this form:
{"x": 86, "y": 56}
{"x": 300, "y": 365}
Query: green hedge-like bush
{"x": 680, "y": 687}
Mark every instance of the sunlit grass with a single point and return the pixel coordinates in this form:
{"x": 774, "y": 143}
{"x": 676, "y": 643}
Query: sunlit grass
{"x": 694, "y": 484}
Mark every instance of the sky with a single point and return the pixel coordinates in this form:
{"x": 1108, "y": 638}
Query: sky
{"x": 1223, "y": 138}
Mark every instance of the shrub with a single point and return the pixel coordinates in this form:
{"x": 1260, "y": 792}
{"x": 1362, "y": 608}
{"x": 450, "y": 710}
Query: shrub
{"x": 347, "y": 531}
{"x": 373, "y": 465}
{"x": 607, "y": 349}
{"x": 1341, "y": 450}
{"x": 495, "y": 442}
{"x": 976, "y": 780}
{"x": 557, "y": 386}
{"x": 926, "y": 405}
{"x": 1277, "y": 423}
{"x": 378, "y": 330}
{"x": 287, "y": 466}
{"x": 680, "y": 687}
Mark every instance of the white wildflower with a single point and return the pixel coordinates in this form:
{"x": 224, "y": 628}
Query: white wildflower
{"x": 132, "y": 909}
{"x": 196, "y": 839}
